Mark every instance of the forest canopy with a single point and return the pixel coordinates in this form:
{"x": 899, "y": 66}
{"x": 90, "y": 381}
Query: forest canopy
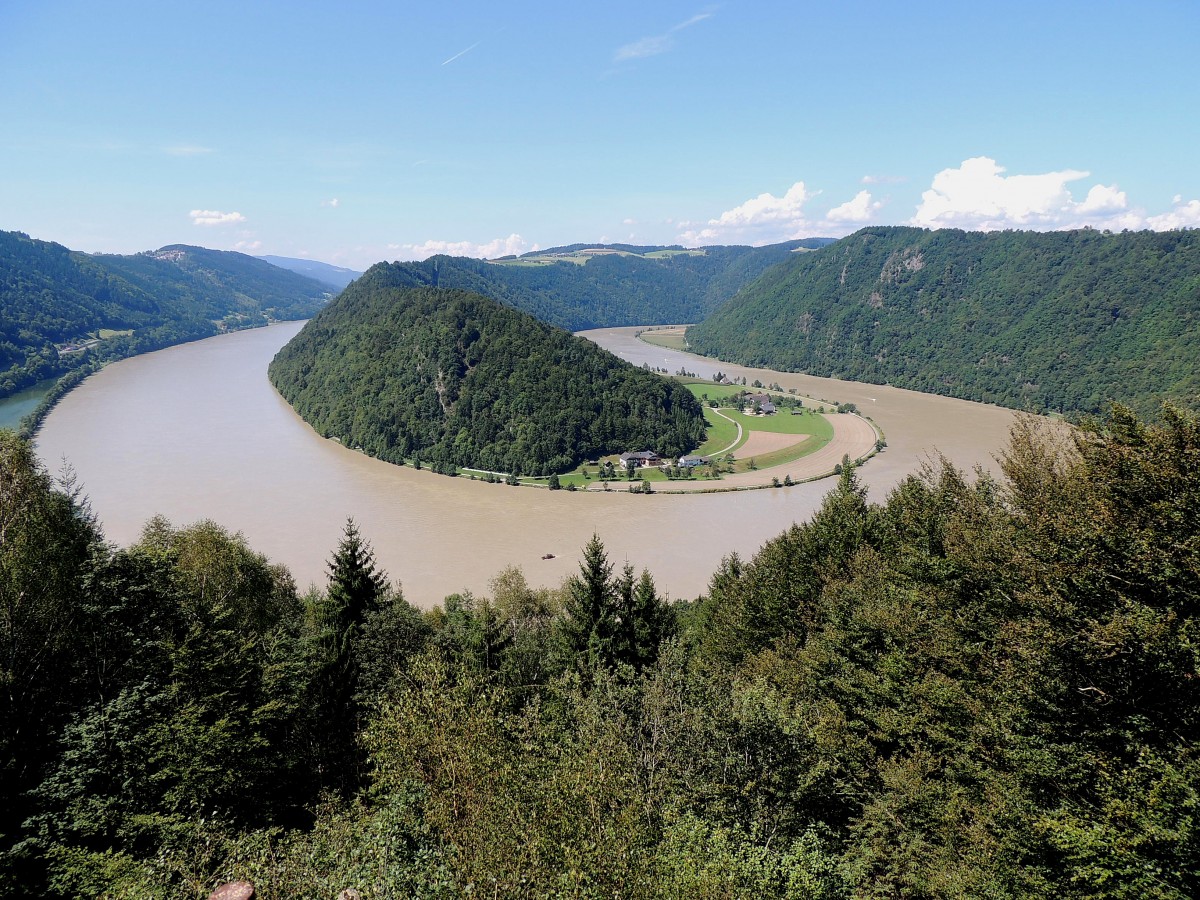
{"x": 456, "y": 379}
{"x": 978, "y": 688}
{"x": 1066, "y": 321}
{"x": 609, "y": 290}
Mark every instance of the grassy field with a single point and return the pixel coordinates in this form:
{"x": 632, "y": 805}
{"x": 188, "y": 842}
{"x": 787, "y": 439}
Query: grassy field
{"x": 811, "y": 430}
{"x": 664, "y": 254}
{"x": 672, "y": 340}
{"x": 784, "y": 423}
{"x": 708, "y": 390}
{"x": 721, "y": 433}
{"x": 582, "y": 258}
{"x": 535, "y": 261}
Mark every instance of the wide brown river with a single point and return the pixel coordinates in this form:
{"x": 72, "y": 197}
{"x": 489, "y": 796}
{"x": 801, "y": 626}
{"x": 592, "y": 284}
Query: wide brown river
{"x": 197, "y": 432}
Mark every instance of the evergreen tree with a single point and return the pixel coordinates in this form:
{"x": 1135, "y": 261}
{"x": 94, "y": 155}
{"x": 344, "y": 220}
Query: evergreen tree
{"x": 590, "y": 624}
{"x": 652, "y": 621}
{"x": 356, "y": 590}
{"x": 613, "y": 619}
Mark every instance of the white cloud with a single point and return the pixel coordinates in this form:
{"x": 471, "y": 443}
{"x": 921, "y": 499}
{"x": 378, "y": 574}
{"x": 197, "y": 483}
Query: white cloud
{"x": 763, "y": 219}
{"x": 1104, "y": 199}
{"x": 215, "y": 217}
{"x": 766, "y": 208}
{"x": 248, "y": 246}
{"x": 661, "y": 43}
{"x": 1184, "y": 215}
{"x": 857, "y": 211}
{"x": 335, "y": 202}
{"x": 767, "y": 219}
{"x": 629, "y": 221}
{"x": 883, "y": 179}
{"x": 979, "y": 196}
{"x": 513, "y": 245}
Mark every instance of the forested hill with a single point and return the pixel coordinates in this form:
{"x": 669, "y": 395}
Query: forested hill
{"x": 1063, "y": 321}
{"x": 619, "y": 288}
{"x": 456, "y": 379}
{"x": 51, "y": 297}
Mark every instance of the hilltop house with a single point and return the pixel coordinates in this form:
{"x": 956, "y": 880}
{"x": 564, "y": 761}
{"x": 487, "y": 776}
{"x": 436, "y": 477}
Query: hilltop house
{"x": 691, "y": 462}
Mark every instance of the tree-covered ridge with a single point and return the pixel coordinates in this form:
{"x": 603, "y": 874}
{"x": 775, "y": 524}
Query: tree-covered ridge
{"x": 978, "y": 688}
{"x": 1065, "y": 321}
{"x": 456, "y": 379}
{"x": 609, "y": 290}
{"x": 50, "y": 296}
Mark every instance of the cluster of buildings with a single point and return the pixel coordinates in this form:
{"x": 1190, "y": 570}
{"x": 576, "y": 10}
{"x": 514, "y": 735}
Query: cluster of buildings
{"x": 760, "y": 404}
{"x": 642, "y": 458}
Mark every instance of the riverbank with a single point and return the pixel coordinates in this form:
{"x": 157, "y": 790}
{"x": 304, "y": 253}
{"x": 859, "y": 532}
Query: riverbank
{"x": 29, "y": 424}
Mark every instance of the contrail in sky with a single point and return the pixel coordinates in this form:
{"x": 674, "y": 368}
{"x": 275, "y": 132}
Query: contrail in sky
{"x": 462, "y": 53}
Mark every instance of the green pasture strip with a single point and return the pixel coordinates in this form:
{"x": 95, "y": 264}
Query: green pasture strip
{"x": 701, "y": 387}
{"x": 784, "y": 423}
{"x": 670, "y": 340}
{"x": 721, "y": 433}
{"x": 713, "y": 390}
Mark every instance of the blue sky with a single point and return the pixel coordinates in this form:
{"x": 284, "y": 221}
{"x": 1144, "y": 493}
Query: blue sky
{"x": 369, "y": 130}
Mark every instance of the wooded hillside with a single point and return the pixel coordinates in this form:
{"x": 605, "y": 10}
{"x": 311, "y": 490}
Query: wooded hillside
{"x": 50, "y": 295}
{"x": 1066, "y": 321}
{"x": 609, "y": 290}
{"x": 456, "y": 379}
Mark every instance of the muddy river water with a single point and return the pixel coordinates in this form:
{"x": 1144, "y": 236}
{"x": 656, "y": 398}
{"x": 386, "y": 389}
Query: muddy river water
{"x": 197, "y": 431}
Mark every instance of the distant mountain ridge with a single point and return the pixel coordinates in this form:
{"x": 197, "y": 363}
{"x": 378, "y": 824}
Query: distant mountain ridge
{"x": 454, "y": 378}
{"x": 607, "y": 289}
{"x": 1066, "y": 320}
{"x": 61, "y": 309}
{"x": 335, "y": 277}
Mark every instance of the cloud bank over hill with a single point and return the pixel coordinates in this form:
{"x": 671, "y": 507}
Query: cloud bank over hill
{"x": 978, "y": 195}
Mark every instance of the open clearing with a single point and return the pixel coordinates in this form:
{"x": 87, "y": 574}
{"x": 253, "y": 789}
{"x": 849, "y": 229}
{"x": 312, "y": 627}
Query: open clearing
{"x": 673, "y": 340}
{"x": 763, "y": 442}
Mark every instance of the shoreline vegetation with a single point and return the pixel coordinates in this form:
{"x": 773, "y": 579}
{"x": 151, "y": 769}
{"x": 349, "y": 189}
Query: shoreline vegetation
{"x": 65, "y": 312}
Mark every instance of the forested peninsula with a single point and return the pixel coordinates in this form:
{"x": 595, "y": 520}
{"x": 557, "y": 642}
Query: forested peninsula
{"x": 62, "y": 310}
{"x": 451, "y": 379}
{"x": 617, "y": 285}
{"x": 976, "y": 689}
{"x": 1055, "y": 321}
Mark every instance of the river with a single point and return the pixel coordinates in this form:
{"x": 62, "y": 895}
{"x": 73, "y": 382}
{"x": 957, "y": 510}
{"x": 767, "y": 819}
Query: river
{"x": 17, "y": 406}
{"x": 196, "y": 431}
